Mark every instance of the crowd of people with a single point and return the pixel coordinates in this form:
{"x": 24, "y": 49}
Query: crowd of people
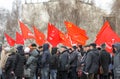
{"x": 43, "y": 62}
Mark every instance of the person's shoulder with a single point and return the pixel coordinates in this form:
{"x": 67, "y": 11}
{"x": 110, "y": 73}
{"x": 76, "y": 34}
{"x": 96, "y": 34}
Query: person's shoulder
{"x": 11, "y": 57}
{"x": 105, "y": 52}
{"x": 46, "y": 51}
{"x": 90, "y": 52}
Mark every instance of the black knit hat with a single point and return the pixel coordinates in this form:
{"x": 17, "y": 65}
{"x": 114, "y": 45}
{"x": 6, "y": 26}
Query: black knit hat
{"x": 33, "y": 45}
{"x": 93, "y": 45}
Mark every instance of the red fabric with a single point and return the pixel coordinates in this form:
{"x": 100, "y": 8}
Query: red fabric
{"x": 106, "y": 24}
{"x": 73, "y": 28}
{"x": 10, "y": 40}
{"x": 72, "y": 41}
{"x": 76, "y": 33}
{"x": 53, "y": 35}
{"x": 26, "y": 33}
{"x": 19, "y": 39}
{"x": 39, "y": 36}
{"x": 64, "y": 40}
{"x": 107, "y": 36}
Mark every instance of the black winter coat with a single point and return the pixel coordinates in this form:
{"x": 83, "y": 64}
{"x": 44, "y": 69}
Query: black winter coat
{"x": 92, "y": 61}
{"x": 105, "y": 61}
{"x": 54, "y": 62}
{"x": 73, "y": 59}
{"x": 10, "y": 65}
{"x": 63, "y": 60}
{"x": 45, "y": 56}
{"x": 19, "y": 68}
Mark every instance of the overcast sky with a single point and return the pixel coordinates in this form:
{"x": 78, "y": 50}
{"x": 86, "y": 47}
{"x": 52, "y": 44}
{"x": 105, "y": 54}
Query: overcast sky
{"x": 103, "y": 4}
{"x": 6, "y": 4}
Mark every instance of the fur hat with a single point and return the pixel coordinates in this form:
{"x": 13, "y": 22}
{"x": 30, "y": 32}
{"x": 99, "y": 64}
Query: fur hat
{"x": 13, "y": 50}
{"x": 7, "y": 49}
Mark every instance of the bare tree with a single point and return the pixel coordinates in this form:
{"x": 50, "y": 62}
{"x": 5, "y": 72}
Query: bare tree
{"x": 62, "y": 10}
{"x": 12, "y": 19}
{"x": 116, "y": 13}
{"x": 116, "y": 6}
{"x": 3, "y": 21}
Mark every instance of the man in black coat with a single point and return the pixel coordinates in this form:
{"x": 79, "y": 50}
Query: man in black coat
{"x": 10, "y": 65}
{"x": 20, "y": 62}
{"x": 39, "y": 62}
{"x": 63, "y": 60}
{"x": 73, "y": 62}
{"x": 82, "y": 61}
{"x": 53, "y": 63}
{"x": 92, "y": 62}
{"x": 105, "y": 61}
{"x": 45, "y": 60}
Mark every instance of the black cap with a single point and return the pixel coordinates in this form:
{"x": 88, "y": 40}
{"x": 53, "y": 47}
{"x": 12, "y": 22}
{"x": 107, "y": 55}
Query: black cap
{"x": 33, "y": 45}
{"x": 93, "y": 45}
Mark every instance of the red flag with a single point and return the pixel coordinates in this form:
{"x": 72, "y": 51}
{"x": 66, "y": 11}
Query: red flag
{"x": 26, "y": 33}
{"x": 39, "y": 36}
{"x": 72, "y": 41}
{"x": 10, "y": 41}
{"x": 53, "y": 35}
{"x": 19, "y": 39}
{"x": 107, "y": 36}
{"x": 106, "y": 24}
{"x": 74, "y": 29}
{"x": 64, "y": 40}
{"x": 76, "y": 33}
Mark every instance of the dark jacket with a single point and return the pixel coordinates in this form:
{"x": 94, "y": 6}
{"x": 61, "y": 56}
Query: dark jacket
{"x": 45, "y": 56}
{"x": 63, "y": 60}
{"x": 92, "y": 61}
{"x": 105, "y": 61}
{"x": 32, "y": 62}
{"x": 73, "y": 59}
{"x": 20, "y": 62}
{"x": 10, "y": 65}
{"x": 39, "y": 62}
{"x": 54, "y": 61}
{"x": 116, "y": 61}
{"x": 81, "y": 62}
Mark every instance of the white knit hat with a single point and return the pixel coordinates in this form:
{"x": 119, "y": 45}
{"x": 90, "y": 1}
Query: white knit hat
{"x": 27, "y": 50}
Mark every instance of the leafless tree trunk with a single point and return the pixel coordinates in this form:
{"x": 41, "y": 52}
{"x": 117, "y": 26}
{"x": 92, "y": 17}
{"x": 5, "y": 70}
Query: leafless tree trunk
{"x": 12, "y": 20}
